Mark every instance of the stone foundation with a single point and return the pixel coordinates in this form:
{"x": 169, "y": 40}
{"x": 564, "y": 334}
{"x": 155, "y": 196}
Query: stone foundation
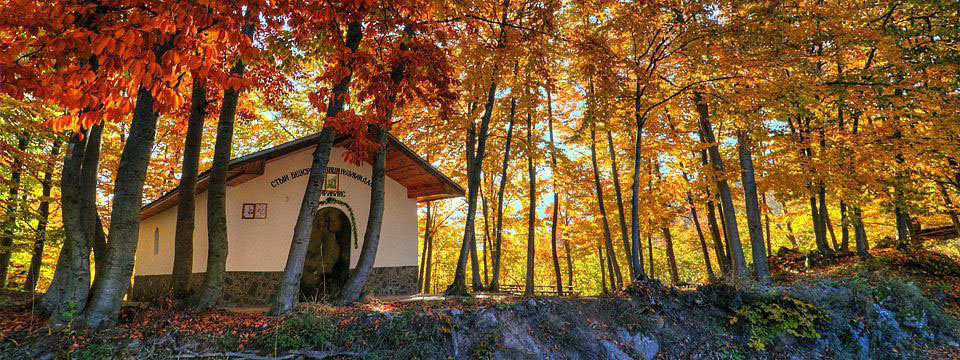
{"x": 256, "y": 287}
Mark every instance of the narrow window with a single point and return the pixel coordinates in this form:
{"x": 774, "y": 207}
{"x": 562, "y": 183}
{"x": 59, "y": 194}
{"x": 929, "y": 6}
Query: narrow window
{"x": 156, "y": 241}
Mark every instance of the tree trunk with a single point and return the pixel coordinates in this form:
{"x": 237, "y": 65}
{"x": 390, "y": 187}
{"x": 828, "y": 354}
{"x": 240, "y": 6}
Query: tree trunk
{"x": 532, "y": 212}
{"x": 186, "y": 207}
{"x": 371, "y": 237}
{"x": 476, "y": 282}
{"x": 671, "y": 258}
{"x": 766, "y": 223}
{"x": 603, "y": 273}
{"x": 860, "y": 234}
{"x": 556, "y": 196}
{"x": 615, "y": 279}
{"x": 791, "y": 237}
{"x": 723, "y": 228}
{"x": 498, "y": 228}
{"x": 428, "y": 236}
{"x": 286, "y": 296}
{"x": 459, "y": 287}
{"x": 620, "y": 211}
{"x": 761, "y": 268}
{"x": 825, "y": 213}
{"x": 819, "y": 237}
{"x": 486, "y": 234}
{"x": 903, "y": 222}
{"x": 844, "y": 228}
{"x": 217, "y": 242}
{"x": 46, "y": 185}
{"x": 472, "y": 166}
{"x": 12, "y": 208}
{"x": 635, "y": 196}
{"x": 722, "y": 259}
{"x": 87, "y": 230}
{"x": 950, "y": 209}
{"x": 566, "y": 249}
{"x": 71, "y": 268}
{"x": 421, "y": 271}
{"x": 718, "y": 246}
{"x": 730, "y": 213}
{"x": 653, "y": 275}
{"x": 106, "y": 296}
{"x": 703, "y": 242}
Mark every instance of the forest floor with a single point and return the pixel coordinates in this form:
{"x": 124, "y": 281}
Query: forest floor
{"x": 891, "y": 306}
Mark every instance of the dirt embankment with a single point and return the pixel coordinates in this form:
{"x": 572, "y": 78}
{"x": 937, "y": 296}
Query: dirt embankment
{"x": 867, "y": 310}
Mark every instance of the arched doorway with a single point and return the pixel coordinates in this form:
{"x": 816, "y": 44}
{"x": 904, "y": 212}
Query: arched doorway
{"x": 327, "y": 265}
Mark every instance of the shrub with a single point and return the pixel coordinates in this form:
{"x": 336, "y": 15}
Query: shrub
{"x": 766, "y": 320}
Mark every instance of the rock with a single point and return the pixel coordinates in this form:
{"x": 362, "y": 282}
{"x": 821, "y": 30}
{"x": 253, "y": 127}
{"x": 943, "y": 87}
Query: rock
{"x": 646, "y": 347}
{"x": 657, "y": 321}
{"x": 486, "y": 318}
{"x": 133, "y": 345}
{"x": 530, "y": 303}
{"x": 612, "y": 351}
{"x": 864, "y": 347}
{"x": 889, "y": 328}
{"x": 787, "y": 339}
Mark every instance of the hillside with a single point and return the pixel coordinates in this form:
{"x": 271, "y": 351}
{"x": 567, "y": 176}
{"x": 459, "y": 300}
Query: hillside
{"x": 889, "y": 307}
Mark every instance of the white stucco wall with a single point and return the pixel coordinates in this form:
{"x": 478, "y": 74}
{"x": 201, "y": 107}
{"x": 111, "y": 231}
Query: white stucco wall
{"x": 263, "y": 244}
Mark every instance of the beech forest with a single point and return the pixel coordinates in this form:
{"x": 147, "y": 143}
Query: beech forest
{"x": 595, "y": 179}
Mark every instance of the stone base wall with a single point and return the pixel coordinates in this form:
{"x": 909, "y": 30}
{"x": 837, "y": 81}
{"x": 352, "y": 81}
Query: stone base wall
{"x": 394, "y": 280}
{"x": 256, "y": 287}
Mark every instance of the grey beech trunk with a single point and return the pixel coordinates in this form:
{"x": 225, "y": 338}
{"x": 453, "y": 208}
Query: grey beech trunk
{"x": 620, "y": 212}
{"x": 603, "y": 273}
{"x": 950, "y": 209}
{"x": 671, "y": 258}
{"x": 820, "y": 240}
{"x": 421, "y": 270}
{"x": 89, "y": 172}
{"x": 556, "y": 196}
{"x": 825, "y": 213}
{"x": 791, "y": 237}
{"x": 718, "y": 248}
{"x": 286, "y": 296}
{"x": 353, "y": 289}
{"x": 703, "y": 242}
{"x": 371, "y": 237}
{"x": 183, "y": 236}
{"x": 63, "y": 293}
{"x": 106, "y": 296}
{"x": 43, "y": 212}
{"x": 640, "y": 120}
{"x": 860, "y": 233}
{"x": 615, "y": 280}
{"x": 750, "y": 198}
{"x": 739, "y": 267}
{"x": 12, "y": 207}
{"x": 844, "y": 227}
{"x": 428, "y": 243}
{"x": 653, "y": 274}
{"x": 486, "y": 234}
{"x": 498, "y": 227}
{"x": 217, "y": 242}
{"x": 459, "y": 286}
{"x": 566, "y": 250}
{"x": 766, "y": 222}
{"x": 722, "y": 259}
{"x": 532, "y": 211}
{"x": 78, "y": 285}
